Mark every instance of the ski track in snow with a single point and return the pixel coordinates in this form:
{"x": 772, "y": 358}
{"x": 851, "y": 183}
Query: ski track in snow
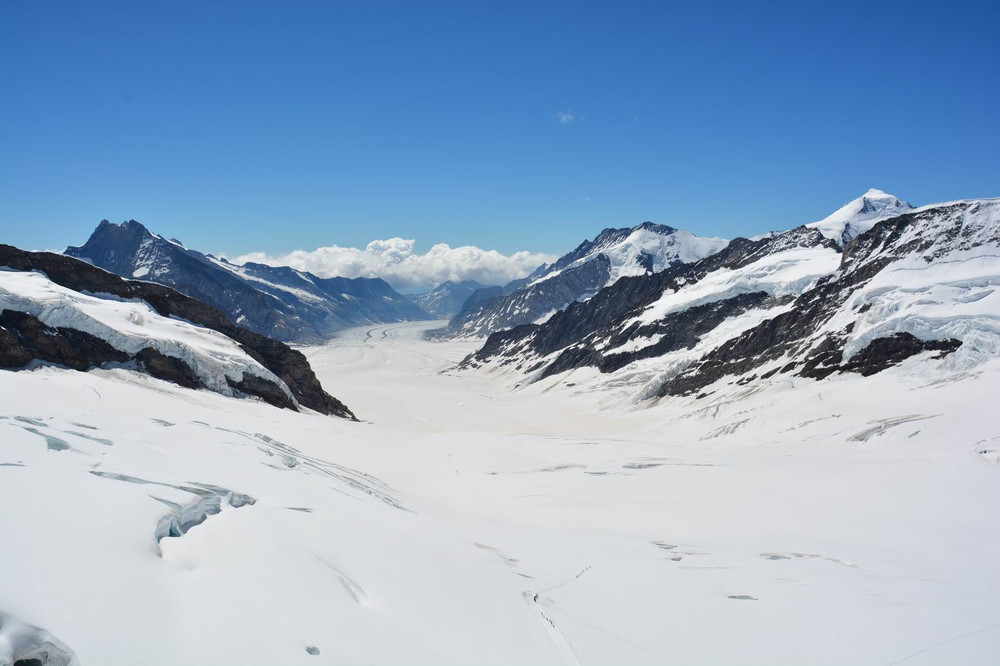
{"x": 566, "y": 652}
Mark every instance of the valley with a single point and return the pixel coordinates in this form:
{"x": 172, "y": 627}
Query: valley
{"x": 392, "y": 376}
{"x": 735, "y": 459}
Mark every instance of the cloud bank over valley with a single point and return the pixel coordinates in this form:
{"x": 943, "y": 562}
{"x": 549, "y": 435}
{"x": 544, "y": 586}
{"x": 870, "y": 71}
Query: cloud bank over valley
{"x": 397, "y": 262}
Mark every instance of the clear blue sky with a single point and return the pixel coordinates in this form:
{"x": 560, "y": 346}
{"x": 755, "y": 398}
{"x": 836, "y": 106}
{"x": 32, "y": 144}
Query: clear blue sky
{"x": 270, "y": 126}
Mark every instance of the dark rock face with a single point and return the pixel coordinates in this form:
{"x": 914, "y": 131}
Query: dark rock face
{"x": 882, "y": 353}
{"x": 276, "y": 301}
{"x": 168, "y": 368}
{"x": 288, "y": 364}
{"x": 265, "y": 390}
{"x": 12, "y": 353}
{"x": 24, "y": 338}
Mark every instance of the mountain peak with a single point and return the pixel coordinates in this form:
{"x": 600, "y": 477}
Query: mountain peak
{"x": 106, "y": 227}
{"x": 860, "y": 215}
{"x": 133, "y": 225}
{"x": 661, "y": 229}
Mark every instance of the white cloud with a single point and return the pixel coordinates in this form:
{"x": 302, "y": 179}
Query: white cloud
{"x": 565, "y": 117}
{"x": 396, "y": 261}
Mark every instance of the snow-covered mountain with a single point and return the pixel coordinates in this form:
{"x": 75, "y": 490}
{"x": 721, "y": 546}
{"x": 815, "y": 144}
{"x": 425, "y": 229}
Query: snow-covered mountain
{"x": 860, "y": 215}
{"x": 578, "y": 275}
{"x": 276, "y": 301}
{"x": 56, "y": 309}
{"x": 646, "y": 248}
{"x": 918, "y": 284}
{"x": 446, "y": 300}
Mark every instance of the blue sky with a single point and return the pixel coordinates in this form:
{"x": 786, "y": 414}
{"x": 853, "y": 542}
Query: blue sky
{"x": 252, "y": 126}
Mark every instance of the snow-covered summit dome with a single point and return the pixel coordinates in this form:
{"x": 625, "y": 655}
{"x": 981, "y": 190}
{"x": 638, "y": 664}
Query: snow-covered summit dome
{"x": 860, "y": 215}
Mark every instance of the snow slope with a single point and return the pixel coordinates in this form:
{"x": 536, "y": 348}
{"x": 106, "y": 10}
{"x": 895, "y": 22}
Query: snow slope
{"x": 131, "y": 326}
{"x": 841, "y": 522}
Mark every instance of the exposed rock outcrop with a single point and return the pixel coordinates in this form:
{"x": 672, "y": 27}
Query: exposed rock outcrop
{"x": 24, "y": 338}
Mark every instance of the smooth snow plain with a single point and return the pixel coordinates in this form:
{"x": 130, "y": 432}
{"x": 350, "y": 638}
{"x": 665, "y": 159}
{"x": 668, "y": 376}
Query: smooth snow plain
{"x": 471, "y": 520}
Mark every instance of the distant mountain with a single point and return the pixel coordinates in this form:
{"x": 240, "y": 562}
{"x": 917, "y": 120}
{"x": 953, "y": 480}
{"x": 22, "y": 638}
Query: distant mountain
{"x": 446, "y": 300}
{"x": 578, "y": 275}
{"x": 60, "y": 310}
{"x": 793, "y": 303}
{"x": 276, "y": 301}
{"x": 860, "y": 215}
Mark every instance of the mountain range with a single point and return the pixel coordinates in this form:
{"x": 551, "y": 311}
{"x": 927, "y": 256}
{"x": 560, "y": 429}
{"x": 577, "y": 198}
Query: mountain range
{"x": 861, "y": 291}
{"x": 651, "y": 307}
{"x": 578, "y": 275}
{"x": 276, "y": 301}
{"x": 775, "y": 430}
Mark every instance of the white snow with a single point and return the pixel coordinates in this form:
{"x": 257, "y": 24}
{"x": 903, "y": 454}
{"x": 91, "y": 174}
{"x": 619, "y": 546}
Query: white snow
{"x": 783, "y": 273}
{"x": 847, "y": 521}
